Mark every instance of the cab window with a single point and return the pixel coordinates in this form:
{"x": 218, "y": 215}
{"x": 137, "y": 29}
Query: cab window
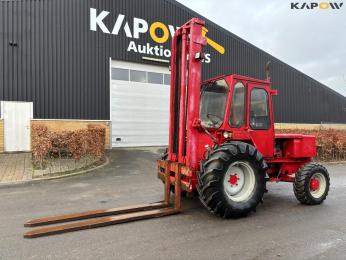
{"x": 259, "y": 109}
{"x": 213, "y": 103}
{"x": 237, "y": 106}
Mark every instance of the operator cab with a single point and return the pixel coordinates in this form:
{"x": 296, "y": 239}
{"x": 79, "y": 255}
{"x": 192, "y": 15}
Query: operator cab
{"x": 239, "y": 108}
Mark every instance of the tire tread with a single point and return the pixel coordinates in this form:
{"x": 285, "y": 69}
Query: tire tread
{"x": 209, "y": 178}
{"x": 300, "y": 185}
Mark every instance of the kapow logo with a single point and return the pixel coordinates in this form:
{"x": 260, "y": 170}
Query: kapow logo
{"x": 158, "y": 32}
{"x": 316, "y": 6}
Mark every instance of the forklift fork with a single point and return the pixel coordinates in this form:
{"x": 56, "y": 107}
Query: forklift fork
{"x": 106, "y": 217}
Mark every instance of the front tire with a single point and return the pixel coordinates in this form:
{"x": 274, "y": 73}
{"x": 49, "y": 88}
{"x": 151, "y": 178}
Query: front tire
{"x": 231, "y": 182}
{"x": 311, "y": 185}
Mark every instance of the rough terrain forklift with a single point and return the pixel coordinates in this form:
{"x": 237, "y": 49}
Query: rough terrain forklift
{"x": 222, "y": 146}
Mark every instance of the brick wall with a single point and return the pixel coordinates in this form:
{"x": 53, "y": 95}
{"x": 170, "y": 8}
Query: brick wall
{"x": 2, "y": 141}
{"x": 61, "y": 125}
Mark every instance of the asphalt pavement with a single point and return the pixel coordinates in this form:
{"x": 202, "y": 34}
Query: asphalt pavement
{"x": 280, "y": 229}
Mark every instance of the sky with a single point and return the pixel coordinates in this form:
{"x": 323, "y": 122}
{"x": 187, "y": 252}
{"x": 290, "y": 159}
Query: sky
{"x": 312, "y": 41}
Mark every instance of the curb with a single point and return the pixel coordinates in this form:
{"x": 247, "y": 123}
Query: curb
{"x": 56, "y": 177}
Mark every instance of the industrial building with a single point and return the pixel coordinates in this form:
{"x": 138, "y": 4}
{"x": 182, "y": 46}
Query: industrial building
{"x": 68, "y": 63}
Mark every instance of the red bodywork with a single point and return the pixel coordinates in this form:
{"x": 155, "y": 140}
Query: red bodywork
{"x": 188, "y": 140}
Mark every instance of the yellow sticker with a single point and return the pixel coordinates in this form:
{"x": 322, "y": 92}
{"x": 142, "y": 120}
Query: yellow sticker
{"x": 212, "y": 43}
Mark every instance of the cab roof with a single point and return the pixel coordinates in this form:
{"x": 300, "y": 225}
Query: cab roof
{"x": 239, "y": 77}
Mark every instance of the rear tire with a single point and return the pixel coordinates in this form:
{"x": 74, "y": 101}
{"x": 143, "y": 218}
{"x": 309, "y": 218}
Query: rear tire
{"x": 311, "y": 184}
{"x": 231, "y": 182}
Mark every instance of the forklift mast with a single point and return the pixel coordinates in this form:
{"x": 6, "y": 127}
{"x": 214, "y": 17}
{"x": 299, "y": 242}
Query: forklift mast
{"x": 186, "y": 66}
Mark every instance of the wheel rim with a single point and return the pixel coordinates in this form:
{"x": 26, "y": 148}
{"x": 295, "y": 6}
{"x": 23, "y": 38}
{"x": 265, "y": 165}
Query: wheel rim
{"x": 317, "y": 185}
{"x": 239, "y": 181}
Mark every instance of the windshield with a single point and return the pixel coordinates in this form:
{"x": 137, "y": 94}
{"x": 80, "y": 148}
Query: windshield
{"x": 213, "y": 103}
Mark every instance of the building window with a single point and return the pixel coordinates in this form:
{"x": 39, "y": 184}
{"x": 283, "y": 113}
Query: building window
{"x": 237, "y": 107}
{"x": 120, "y": 74}
{"x": 259, "y": 111}
{"x": 156, "y": 78}
{"x": 167, "y": 79}
{"x": 138, "y": 76}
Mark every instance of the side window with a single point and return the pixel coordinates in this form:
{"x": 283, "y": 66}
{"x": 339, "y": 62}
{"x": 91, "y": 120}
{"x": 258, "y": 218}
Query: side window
{"x": 237, "y": 107}
{"x": 259, "y": 109}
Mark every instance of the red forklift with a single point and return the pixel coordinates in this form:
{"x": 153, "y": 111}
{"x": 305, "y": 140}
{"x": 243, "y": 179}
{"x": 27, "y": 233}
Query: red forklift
{"x": 222, "y": 145}
{"x": 222, "y": 135}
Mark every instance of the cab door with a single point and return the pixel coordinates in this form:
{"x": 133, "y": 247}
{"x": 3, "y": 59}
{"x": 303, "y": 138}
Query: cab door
{"x": 260, "y": 118}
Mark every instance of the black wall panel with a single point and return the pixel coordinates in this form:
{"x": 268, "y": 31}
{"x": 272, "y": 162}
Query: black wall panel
{"x": 49, "y": 55}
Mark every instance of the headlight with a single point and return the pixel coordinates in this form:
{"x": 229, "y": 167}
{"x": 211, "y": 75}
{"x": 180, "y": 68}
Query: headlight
{"x": 227, "y": 134}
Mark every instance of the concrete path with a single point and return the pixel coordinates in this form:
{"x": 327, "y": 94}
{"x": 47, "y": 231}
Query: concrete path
{"x": 15, "y": 167}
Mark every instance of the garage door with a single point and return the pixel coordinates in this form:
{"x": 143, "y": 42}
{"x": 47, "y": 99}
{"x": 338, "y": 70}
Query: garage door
{"x": 139, "y": 104}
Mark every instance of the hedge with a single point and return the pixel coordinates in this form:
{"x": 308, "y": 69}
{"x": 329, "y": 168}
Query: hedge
{"x": 72, "y": 144}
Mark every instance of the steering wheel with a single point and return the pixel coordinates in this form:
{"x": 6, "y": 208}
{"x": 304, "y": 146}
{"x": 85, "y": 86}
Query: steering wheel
{"x": 219, "y": 119}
